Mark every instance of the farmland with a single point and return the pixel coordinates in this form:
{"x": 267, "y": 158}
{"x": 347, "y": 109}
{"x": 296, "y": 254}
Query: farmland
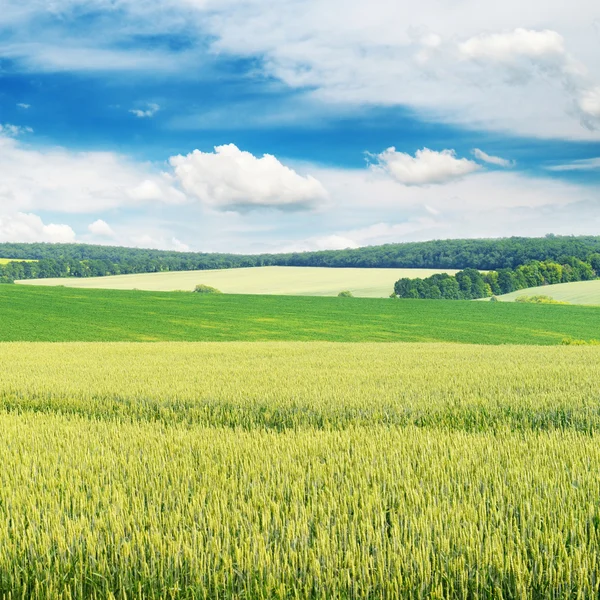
{"x": 577, "y": 292}
{"x": 295, "y": 281}
{"x": 31, "y": 313}
{"x": 302, "y": 470}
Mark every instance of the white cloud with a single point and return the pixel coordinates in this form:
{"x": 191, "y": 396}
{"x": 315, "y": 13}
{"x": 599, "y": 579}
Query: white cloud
{"x": 426, "y": 167}
{"x": 587, "y": 164}
{"x": 506, "y": 47}
{"x": 520, "y": 67}
{"x": 23, "y": 105}
{"x": 101, "y": 228}
{"x": 77, "y": 182}
{"x": 13, "y": 130}
{"x": 589, "y": 102}
{"x": 492, "y": 160}
{"x": 368, "y": 210}
{"x": 231, "y": 179}
{"x": 28, "y": 227}
{"x": 149, "y": 112}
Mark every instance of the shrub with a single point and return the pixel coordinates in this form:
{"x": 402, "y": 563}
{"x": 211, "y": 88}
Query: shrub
{"x": 346, "y": 294}
{"x": 206, "y": 289}
{"x": 538, "y": 300}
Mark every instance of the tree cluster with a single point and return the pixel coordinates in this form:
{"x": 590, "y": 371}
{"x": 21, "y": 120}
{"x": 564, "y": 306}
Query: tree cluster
{"x": 471, "y": 284}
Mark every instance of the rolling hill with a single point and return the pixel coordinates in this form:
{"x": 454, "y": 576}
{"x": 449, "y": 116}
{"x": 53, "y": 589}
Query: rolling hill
{"x": 53, "y": 314}
{"x": 296, "y": 281}
{"x": 577, "y": 292}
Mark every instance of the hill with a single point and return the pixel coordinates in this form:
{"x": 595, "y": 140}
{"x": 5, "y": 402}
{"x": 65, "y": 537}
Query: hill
{"x": 80, "y": 260}
{"x": 297, "y": 281}
{"x": 577, "y": 292}
{"x": 31, "y": 313}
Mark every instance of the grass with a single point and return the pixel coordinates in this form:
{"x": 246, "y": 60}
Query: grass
{"x": 29, "y": 313}
{"x": 295, "y": 281}
{"x": 577, "y": 292}
{"x": 306, "y": 471}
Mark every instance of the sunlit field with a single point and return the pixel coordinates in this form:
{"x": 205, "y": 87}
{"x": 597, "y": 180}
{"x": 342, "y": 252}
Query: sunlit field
{"x": 577, "y": 292}
{"x": 295, "y": 281}
{"x": 299, "y": 471}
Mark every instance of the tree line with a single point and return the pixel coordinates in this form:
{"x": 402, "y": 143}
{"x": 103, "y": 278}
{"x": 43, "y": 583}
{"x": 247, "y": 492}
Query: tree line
{"x": 83, "y": 260}
{"x": 471, "y": 284}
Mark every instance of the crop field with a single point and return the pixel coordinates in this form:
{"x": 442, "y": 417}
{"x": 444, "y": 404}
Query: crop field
{"x": 295, "y": 281}
{"x": 577, "y": 292}
{"x": 29, "y": 313}
{"x": 299, "y": 470}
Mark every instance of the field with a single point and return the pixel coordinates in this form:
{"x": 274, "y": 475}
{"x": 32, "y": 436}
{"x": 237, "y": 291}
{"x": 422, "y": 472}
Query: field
{"x": 4, "y": 261}
{"x": 299, "y": 470}
{"x": 577, "y": 292}
{"x": 30, "y": 313}
{"x": 295, "y": 281}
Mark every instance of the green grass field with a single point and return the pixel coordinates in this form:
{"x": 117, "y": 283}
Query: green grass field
{"x": 577, "y": 292}
{"x": 295, "y": 281}
{"x": 31, "y": 313}
{"x": 299, "y": 470}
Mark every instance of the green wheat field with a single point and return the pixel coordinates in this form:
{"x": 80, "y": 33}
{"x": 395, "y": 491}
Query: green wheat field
{"x": 299, "y": 470}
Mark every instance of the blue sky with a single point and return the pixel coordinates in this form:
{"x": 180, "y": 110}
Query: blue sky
{"x": 245, "y": 126}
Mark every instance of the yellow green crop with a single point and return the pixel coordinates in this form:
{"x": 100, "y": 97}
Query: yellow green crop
{"x": 277, "y": 470}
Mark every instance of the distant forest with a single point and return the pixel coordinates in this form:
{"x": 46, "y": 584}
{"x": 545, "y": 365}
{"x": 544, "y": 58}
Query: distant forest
{"x": 81, "y": 260}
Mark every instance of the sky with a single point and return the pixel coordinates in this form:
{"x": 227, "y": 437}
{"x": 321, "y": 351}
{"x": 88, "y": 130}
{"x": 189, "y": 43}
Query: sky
{"x": 247, "y": 126}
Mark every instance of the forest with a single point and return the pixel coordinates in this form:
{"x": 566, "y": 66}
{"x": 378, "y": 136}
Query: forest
{"x": 82, "y": 260}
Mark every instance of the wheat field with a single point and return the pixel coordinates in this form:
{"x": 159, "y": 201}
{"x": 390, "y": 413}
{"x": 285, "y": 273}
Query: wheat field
{"x": 289, "y": 470}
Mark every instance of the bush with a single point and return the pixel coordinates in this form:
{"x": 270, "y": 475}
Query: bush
{"x": 538, "y": 300}
{"x": 346, "y": 294}
{"x": 206, "y": 289}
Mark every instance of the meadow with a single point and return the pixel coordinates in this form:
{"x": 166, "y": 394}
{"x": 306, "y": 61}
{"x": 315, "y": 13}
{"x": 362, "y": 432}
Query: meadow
{"x": 295, "y": 281}
{"x": 31, "y": 313}
{"x": 577, "y": 292}
{"x": 299, "y": 470}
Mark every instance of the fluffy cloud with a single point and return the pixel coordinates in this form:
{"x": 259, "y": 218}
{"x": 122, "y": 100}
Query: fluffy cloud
{"x": 28, "y": 227}
{"x": 426, "y": 167}
{"x": 492, "y": 160}
{"x": 507, "y": 47}
{"x": 589, "y": 102}
{"x": 77, "y": 182}
{"x": 101, "y": 228}
{"x": 231, "y": 179}
{"x": 144, "y": 114}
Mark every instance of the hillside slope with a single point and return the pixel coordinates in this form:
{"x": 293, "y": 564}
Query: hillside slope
{"x": 297, "y": 281}
{"x": 30, "y": 313}
{"x": 577, "y": 292}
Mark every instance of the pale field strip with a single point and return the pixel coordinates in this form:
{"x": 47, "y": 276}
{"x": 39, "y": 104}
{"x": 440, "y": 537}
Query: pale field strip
{"x": 576, "y": 292}
{"x": 295, "y": 281}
